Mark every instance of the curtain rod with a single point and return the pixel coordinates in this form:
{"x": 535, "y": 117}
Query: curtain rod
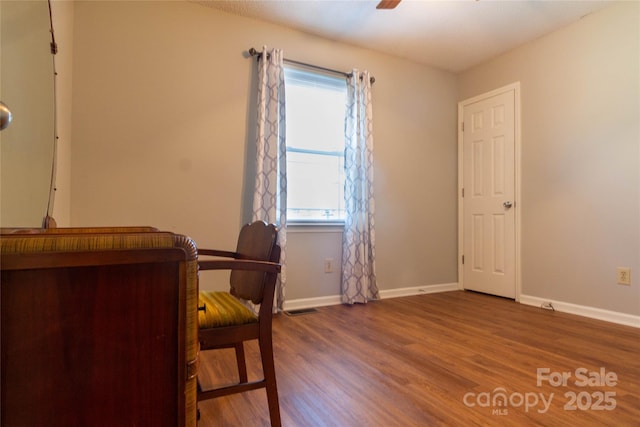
{"x": 254, "y": 52}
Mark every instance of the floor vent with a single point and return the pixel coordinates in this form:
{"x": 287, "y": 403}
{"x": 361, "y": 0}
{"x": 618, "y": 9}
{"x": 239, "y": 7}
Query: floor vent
{"x": 300, "y": 311}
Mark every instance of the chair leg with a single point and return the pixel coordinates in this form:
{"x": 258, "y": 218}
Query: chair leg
{"x": 266, "y": 354}
{"x": 242, "y": 363}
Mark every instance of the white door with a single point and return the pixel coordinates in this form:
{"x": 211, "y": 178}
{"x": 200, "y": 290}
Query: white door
{"x": 488, "y": 194}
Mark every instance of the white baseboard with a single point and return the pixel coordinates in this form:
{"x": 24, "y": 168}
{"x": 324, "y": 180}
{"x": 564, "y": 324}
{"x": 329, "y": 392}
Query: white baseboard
{"x": 418, "y": 290}
{"x": 297, "y": 304}
{"x": 582, "y": 310}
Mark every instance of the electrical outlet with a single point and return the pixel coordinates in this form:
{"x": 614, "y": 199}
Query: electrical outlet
{"x": 624, "y": 276}
{"x": 328, "y": 265}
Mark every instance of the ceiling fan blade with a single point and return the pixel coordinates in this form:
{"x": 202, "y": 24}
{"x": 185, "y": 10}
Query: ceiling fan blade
{"x": 388, "y": 4}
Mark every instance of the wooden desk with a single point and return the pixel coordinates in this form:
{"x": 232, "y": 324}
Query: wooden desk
{"x": 98, "y": 328}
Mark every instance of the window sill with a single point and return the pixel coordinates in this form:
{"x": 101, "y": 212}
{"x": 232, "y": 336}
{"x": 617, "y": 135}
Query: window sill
{"x": 315, "y": 226}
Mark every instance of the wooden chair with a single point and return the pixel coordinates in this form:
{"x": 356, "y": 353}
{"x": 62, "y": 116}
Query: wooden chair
{"x": 225, "y": 322}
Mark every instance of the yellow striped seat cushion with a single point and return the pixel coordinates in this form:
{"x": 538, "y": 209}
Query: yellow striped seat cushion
{"x": 223, "y": 309}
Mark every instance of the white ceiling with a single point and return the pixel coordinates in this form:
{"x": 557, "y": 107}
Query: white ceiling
{"x": 449, "y": 34}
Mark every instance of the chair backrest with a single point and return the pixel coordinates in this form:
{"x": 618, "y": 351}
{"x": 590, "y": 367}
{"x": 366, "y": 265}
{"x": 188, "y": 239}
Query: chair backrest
{"x": 257, "y": 241}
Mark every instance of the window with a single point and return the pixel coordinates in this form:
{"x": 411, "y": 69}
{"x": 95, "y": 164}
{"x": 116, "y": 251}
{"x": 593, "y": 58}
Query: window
{"x": 315, "y": 111}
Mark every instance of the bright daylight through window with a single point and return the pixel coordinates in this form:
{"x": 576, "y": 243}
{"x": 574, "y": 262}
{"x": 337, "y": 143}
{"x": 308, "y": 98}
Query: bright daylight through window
{"x": 315, "y": 112}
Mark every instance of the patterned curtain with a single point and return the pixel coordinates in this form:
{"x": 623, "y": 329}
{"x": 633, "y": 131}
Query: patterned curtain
{"x": 270, "y": 196}
{"x": 358, "y": 241}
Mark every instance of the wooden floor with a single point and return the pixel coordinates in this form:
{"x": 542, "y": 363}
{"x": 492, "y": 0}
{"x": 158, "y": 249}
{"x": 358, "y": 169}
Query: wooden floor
{"x": 440, "y": 359}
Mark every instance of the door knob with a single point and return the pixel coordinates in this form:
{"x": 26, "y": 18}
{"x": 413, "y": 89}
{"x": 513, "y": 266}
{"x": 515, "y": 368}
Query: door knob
{"x": 507, "y": 204}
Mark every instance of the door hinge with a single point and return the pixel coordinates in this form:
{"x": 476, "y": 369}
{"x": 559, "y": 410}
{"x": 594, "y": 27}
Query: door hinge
{"x": 462, "y": 126}
{"x": 463, "y": 192}
{"x": 463, "y": 259}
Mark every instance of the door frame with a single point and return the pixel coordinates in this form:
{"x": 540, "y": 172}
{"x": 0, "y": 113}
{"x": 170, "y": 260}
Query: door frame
{"x": 518, "y": 204}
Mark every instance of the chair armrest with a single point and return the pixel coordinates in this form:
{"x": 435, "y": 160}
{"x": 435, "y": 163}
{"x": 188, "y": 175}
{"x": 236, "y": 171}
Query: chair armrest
{"x": 216, "y": 252}
{"x": 240, "y": 264}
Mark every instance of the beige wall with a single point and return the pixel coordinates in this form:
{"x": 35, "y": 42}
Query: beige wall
{"x": 162, "y": 118}
{"x": 580, "y": 157}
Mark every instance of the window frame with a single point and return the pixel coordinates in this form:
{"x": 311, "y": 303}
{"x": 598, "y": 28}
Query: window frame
{"x": 323, "y": 78}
